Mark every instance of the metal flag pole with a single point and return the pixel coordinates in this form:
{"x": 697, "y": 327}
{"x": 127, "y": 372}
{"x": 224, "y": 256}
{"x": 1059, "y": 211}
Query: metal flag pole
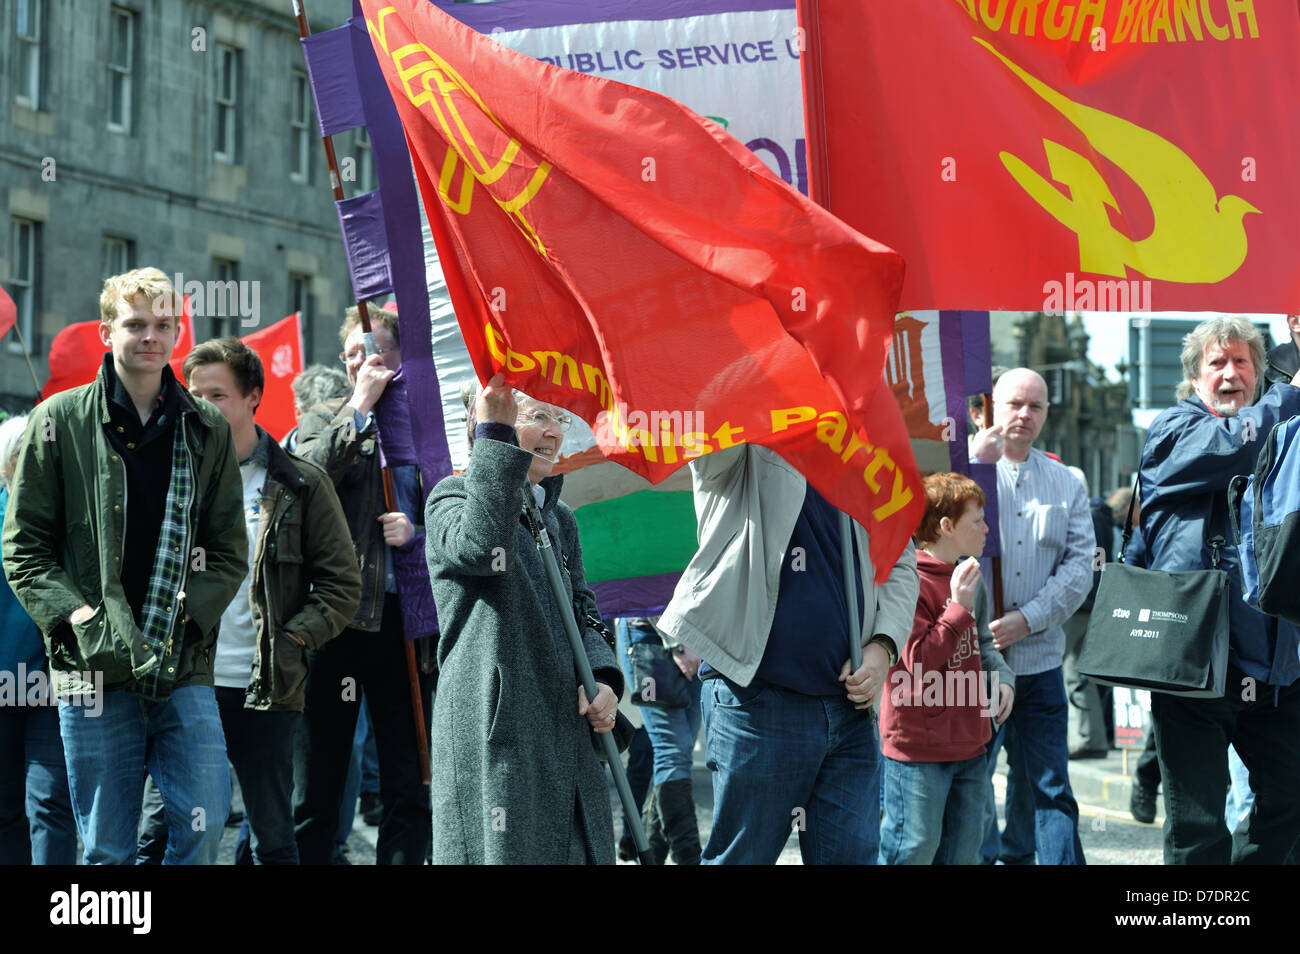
{"x": 850, "y": 591}
{"x": 18, "y": 330}
{"x": 585, "y": 675}
{"x": 997, "y": 560}
{"x": 390, "y": 496}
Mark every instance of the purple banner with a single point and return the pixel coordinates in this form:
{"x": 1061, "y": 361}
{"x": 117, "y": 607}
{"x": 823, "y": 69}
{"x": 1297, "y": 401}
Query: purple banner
{"x": 510, "y": 15}
{"x": 635, "y": 595}
{"x": 361, "y": 219}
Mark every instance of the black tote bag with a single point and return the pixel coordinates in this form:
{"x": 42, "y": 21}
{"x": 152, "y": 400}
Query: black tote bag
{"x": 1166, "y": 632}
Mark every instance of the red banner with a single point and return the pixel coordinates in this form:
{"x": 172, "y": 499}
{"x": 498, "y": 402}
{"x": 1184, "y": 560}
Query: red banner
{"x": 1057, "y": 156}
{"x": 280, "y": 348}
{"x": 620, "y": 256}
{"x": 8, "y": 313}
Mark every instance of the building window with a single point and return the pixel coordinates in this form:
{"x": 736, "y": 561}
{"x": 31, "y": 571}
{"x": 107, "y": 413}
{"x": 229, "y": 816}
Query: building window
{"x": 300, "y": 130}
{"x": 222, "y": 304}
{"x": 119, "y": 254}
{"x": 227, "y": 103}
{"x": 27, "y": 32}
{"x": 121, "y": 63}
{"x": 23, "y": 289}
{"x": 365, "y": 161}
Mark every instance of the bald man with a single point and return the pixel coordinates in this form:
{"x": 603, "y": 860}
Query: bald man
{"x": 1047, "y": 541}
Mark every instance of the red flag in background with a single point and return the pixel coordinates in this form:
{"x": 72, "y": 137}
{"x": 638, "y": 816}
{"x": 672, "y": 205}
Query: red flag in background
{"x": 76, "y": 353}
{"x": 618, "y": 255}
{"x": 280, "y": 348}
{"x": 8, "y": 313}
{"x": 1071, "y": 156}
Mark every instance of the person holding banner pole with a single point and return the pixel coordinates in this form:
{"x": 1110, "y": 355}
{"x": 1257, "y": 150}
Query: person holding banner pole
{"x": 371, "y": 652}
{"x": 516, "y": 778}
{"x": 790, "y": 738}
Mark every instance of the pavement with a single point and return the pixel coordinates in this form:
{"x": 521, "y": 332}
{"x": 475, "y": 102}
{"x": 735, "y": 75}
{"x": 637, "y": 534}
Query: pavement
{"x": 1102, "y": 787}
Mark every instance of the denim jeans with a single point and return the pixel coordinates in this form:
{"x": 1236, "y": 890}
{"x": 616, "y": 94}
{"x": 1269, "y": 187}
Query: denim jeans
{"x": 1192, "y": 739}
{"x": 36, "y": 822}
{"x": 339, "y": 670}
{"x": 935, "y": 812}
{"x": 672, "y": 732}
{"x": 1014, "y": 844}
{"x": 260, "y": 746}
{"x": 179, "y": 741}
{"x": 1038, "y": 755}
{"x": 781, "y": 759}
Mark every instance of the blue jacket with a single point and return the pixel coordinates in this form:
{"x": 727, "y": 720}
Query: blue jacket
{"x": 20, "y": 640}
{"x": 1190, "y": 455}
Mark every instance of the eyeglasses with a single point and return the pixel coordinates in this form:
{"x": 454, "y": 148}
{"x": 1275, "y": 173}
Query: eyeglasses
{"x": 544, "y": 418}
{"x": 359, "y": 354}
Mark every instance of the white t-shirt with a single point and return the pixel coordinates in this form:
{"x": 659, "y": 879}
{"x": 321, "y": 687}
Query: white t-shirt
{"x": 237, "y": 643}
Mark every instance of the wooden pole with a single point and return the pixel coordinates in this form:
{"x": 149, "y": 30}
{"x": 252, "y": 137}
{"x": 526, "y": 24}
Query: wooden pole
{"x": 18, "y": 330}
{"x": 390, "y": 497}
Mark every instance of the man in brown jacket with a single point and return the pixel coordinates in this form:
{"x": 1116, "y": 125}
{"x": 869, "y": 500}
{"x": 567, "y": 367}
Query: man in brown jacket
{"x": 302, "y": 588}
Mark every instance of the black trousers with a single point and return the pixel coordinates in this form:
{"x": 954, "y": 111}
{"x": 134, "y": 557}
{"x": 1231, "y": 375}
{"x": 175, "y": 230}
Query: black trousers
{"x": 339, "y": 671}
{"x": 1192, "y": 737}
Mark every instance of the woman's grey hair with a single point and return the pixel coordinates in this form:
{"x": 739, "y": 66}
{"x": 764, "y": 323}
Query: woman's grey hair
{"x": 11, "y": 440}
{"x": 318, "y": 383}
{"x": 1219, "y": 331}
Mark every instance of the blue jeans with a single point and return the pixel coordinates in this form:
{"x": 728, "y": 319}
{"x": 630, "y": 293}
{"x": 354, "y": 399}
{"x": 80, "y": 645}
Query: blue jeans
{"x": 180, "y": 743}
{"x": 1038, "y": 753}
{"x": 1015, "y": 844}
{"x": 672, "y": 731}
{"x": 781, "y": 759}
{"x": 36, "y": 823}
{"x": 935, "y": 812}
{"x": 1240, "y": 798}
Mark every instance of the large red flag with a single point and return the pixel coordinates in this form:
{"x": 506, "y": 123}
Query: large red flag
{"x": 8, "y": 313}
{"x": 1064, "y": 156}
{"x": 280, "y": 348}
{"x": 620, "y": 256}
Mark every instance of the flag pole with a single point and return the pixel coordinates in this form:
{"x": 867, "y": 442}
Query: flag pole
{"x": 997, "y": 560}
{"x": 631, "y": 816}
{"x": 18, "y": 330}
{"x": 390, "y": 497}
{"x": 850, "y": 591}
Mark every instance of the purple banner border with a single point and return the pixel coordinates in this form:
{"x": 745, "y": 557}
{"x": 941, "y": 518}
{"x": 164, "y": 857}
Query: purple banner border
{"x": 511, "y": 15}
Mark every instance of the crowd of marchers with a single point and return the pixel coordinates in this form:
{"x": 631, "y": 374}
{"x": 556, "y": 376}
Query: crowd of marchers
{"x": 202, "y": 600}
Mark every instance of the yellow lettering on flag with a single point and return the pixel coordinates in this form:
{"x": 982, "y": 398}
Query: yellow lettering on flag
{"x": 431, "y": 81}
{"x": 1197, "y": 237}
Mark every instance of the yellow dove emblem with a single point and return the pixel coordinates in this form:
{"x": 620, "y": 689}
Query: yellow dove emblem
{"x": 1196, "y": 237}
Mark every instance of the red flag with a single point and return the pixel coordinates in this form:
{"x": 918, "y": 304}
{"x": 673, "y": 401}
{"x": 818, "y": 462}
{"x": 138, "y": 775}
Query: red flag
{"x": 75, "y": 356}
{"x": 622, "y": 257}
{"x": 1072, "y": 156}
{"x": 8, "y": 313}
{"x": 280, "y": 348}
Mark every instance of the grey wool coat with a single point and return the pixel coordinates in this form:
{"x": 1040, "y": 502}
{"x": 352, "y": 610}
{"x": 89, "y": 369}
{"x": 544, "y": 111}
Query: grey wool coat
{"x": 511, "y": 756}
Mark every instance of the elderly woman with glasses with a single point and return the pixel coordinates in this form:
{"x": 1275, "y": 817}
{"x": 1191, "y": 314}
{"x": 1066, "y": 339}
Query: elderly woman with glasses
{"x": 516, "y": 779}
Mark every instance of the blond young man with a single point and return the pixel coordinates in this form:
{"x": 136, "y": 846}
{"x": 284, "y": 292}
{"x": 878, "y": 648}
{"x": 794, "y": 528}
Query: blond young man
{"x": 123, "y": 541}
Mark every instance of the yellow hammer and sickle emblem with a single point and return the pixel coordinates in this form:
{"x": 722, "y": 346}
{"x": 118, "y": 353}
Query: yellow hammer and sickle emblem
{"x": 1197, "y": 237}
{"x": 437, "y": 87}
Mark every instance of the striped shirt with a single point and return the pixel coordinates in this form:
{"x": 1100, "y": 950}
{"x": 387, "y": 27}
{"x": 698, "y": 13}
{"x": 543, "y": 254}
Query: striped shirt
{"x": 1047, "y": 548}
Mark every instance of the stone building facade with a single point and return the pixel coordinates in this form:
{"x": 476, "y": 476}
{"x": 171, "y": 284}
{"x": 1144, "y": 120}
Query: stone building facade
{"x": 175, "y": 133}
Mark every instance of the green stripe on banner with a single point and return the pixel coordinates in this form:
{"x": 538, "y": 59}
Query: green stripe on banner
{"x": 642, "y": 534}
